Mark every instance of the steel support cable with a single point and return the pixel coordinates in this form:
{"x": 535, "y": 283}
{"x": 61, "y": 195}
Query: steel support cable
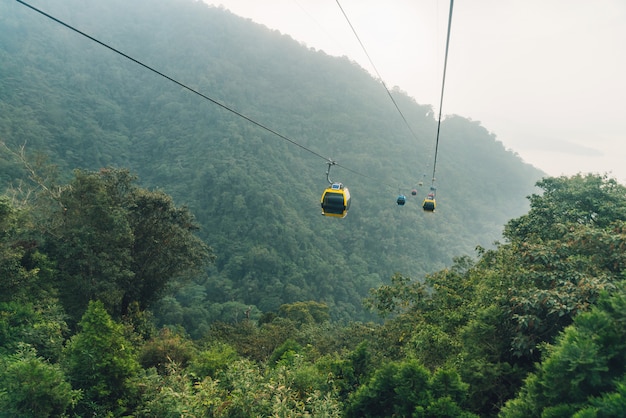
{"x": 375, "y": 69}
{"x": 214, "y": 101}
{"x": 223, "y": 106}
{"x": 173, "y": 80}
{"x": 443, "y": 84}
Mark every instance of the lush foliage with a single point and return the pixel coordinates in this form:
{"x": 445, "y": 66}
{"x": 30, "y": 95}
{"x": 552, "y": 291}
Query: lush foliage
{"x": 530, "y": 328}
{"x": 583, "y": 373}
{"x": 109, "y": 305}
{"x": 118, "y": 243}
{"x": 255, "y": 197}
{"x": 33, "y": 387}
{"x": 490, "y": 317}
{"x": 100, "y": 362}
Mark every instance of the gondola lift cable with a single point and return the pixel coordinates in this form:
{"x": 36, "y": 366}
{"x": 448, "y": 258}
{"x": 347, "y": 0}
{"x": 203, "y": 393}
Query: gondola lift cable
{"x": 173, "y": 80}
{"x": 356, "y": 35}
{"x": 431, "y": 195}
{"x": 429, "y": 203}
{"x": 204, "y": 96}
{"x": 328, "y": 160}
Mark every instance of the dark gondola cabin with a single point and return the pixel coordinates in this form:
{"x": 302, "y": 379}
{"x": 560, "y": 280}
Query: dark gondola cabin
{"x": 401, "y": 200}
{"x": 335, "y": 201}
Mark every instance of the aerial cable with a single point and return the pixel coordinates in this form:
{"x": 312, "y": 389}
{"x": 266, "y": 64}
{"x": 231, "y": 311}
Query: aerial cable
{"x": 375, "y": 69}
{"x": 136, "y": 61}
{"x": 214, "y": 101}
{"x": 443, "y": 84}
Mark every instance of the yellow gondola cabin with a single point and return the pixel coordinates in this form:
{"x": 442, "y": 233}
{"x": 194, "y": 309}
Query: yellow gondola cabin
{"x": 429, "y": 204}
{"x": 335, "y": 201}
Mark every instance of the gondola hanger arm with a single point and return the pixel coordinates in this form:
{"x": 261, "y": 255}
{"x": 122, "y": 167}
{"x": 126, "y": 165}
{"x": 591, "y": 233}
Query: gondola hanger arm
{"x": 330, "y": 164}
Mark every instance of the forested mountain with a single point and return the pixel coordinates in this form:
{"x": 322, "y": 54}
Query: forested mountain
{"x": 161, "y": 256}
{"x": 532, "y": 328}
{"x": 254, "y": 195}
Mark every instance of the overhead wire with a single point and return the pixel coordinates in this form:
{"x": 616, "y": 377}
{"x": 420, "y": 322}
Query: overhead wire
{"x": 194, "y": 91}
{"x": 385, "y": 86}
{"x": 443, "y": 84}
{"x": 321, "y": 27}
{"x": 375, "y": 69}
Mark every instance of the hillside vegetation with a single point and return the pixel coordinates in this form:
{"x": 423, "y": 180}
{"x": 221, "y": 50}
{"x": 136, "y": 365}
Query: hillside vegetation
{"x": 163, "y": 257}
{"x": 254, "y": 195}
{"x": 531, "y": 328}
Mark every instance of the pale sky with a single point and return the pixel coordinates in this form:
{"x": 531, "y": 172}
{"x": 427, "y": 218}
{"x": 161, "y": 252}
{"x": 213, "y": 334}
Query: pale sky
{"x": 547, "y": 77}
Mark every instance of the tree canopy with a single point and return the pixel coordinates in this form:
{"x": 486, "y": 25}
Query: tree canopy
{"x": 110, "y": 304}
{"x": 254, "y": 195}
{"x": 528, "y": 328}
{"x": 118, "y": 243}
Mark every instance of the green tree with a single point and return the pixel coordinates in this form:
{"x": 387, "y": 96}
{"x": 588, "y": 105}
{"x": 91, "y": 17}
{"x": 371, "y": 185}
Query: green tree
{"x": 166, "y": 348}
{"x": 285, "y": 353}
{"x": 566, "y": 249}
{"x": 90, "y": 239}
{"x": 118, "y": 243}
{"x": 41, "y": 326}
{"x": 612, "y": 404}
{"x": 558, "y": 259}
{"x": 29, "y": 310}
{"x": 212, "y": 359}
{"x": 164, "y": 246}
{"x": 590, "y": 199}
{"x": 489, "y": 317}
{"x": 407, "y": 389}
{"x": 32, "y": 387}
{"x": 25, "y": 273}
{"x": 251, "y": 341}
{"x": 427, "y": 315}
{"x": 101, "y": 362}
{"x": 583, "y": 370}
{"x": 309, "y": 312}
{"x": 176, "y": 394}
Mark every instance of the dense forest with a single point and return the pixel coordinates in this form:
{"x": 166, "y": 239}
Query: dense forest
{"x": 530, "y": 328}
{"x": 255, "y": 196}
{"x": 161, "y": 256}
